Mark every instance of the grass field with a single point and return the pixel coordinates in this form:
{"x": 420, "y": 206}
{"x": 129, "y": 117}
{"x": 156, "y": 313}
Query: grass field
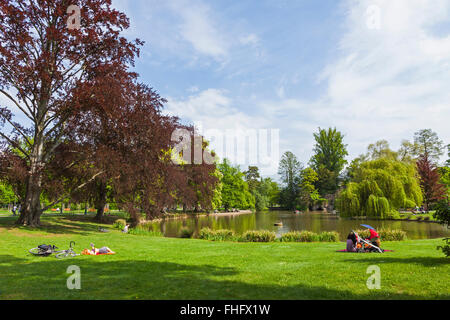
{"x": 163, "y": 268}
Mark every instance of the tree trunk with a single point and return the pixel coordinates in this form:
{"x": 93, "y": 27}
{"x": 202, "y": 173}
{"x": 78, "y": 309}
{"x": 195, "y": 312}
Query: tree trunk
{"x": 101, "y": 202}
{"x": 31, "y": 212}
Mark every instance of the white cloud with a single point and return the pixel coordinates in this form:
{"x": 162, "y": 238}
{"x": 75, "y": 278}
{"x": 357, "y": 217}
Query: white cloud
{"x": 250, "y": 39}
{"x": 198, "y": 28}
{"x": 386, "y": 83}
{"x": 218, "y": 119}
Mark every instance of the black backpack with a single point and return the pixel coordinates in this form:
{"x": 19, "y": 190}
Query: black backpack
{"x": 46, "y": 248}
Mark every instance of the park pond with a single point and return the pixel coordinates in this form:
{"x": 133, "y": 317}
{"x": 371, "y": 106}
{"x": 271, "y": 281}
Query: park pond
{"x": 313, "y": 221}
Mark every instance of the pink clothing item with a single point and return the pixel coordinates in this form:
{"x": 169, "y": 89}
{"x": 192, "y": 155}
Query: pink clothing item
{"x": 373, "y": 234}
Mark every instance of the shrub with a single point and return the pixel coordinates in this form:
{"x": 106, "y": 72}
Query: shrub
{"x": 329, "y": 237}
{"x": 363, "y": 233}
{"x": 216, "y": 235}
{"x": 419, "y": 218}
{"x": 427, "y": 218}
{"x": 120, "y": 224}
{"x": 186, "y": 233}
{"x": 385, "y": 234}
{"x": 291, "y": 237}
{"x": 392, "y": 235}
{"x": 308, "y": 236}
{"x": 446, "y": 248}
{"x": 258, "y": 236}
{"x": 442, "y": 213}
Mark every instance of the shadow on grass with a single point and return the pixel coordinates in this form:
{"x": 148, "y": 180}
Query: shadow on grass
{"x": 424, "y": 261}
{"x": 46, "y": 278}
{"x": 67, "y": 224}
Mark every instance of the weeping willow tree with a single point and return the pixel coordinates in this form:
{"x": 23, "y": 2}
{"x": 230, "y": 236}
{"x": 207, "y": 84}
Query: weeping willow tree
{"x": 379, "y": 189}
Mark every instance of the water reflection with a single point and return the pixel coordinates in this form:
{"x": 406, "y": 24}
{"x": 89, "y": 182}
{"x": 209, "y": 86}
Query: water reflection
{"x": 315, "y": 221}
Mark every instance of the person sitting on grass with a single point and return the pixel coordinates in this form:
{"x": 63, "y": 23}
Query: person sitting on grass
{"x": 352, "y": 241}
{"x": 375, "y": 238}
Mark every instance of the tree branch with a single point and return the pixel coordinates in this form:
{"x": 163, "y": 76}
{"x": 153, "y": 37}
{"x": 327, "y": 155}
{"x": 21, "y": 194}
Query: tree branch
{"x": 70, "y": 193}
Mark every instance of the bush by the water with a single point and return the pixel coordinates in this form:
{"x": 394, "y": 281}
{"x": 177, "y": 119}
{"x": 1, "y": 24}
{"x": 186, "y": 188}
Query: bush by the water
{"x": 308, "y": 236}
{"x": 258, "y": 236}
{"x": 216, "y": 235}
{"x": 329, "y": 236}
{"x": 120, "y": 224}
{"x": 385, "y": 234}
{"x": 186, "y": 233}
{"x": 446, "y": 248}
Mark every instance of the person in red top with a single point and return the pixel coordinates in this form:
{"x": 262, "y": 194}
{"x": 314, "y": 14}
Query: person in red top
{"x": 375, "y": 238}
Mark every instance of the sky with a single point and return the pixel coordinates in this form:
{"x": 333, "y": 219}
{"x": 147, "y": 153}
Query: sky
{"x": 375, "y": 70}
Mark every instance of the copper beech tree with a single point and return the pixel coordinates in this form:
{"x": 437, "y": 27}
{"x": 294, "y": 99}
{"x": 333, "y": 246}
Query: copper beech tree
{"x": 123, "y": 147}
{"x": 433, "y": 190}
{"x": 87, "y": 127}
{"x": 46, "y": 70}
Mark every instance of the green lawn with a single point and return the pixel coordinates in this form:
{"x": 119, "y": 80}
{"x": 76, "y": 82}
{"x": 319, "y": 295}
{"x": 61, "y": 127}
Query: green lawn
{"x": 163, "y": 268}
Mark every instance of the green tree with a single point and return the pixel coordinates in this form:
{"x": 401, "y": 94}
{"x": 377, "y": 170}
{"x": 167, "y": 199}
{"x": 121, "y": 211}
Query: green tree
{"x": 289, "y": 170}
{"x": 381, "y": 149}
{"x": 252, "y": 177}
{"x": 380, "y": 188}
{"x": 444, "y": 172}
{"x": 274, "y": 194}
{"x": 262, "y": 194}
{"x": 407, "y": 151}
{"x": 442, "y": 214}
{"x": 7, "y": 195}
{"x": 235, "y": 190}
{"x": 308, "y": 194}
{"x": 428, "y": 144}
{"x": 328, "y": 159}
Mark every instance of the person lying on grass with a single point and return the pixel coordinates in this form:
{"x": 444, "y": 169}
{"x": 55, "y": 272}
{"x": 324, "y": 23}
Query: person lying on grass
{"x": 95, "y": 252}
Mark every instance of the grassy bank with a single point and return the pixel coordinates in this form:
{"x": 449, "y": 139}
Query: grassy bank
{"x": 163, "y": 268}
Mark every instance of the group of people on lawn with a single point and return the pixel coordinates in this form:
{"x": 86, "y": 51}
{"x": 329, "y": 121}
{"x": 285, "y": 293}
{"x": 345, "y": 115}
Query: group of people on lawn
{"x": 353, "y": 240}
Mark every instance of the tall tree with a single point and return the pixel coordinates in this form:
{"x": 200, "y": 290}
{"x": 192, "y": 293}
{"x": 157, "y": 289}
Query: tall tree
{"x": 381, "y": 149}
{"x": 328, "y": 159}
{"x": 6, "y": 194}
{"x": 308, "y": 192}
{"x": 46, "y": 71}
{"x": 252, "y": 177}
{"x": 235, "y": 191}
{"x": 433, "y": 189}
{"x": 407, "y": 151}
{"x": 289, "y": 170}
{"x": 428, "y": 144}
{"x": 274, "y": 194}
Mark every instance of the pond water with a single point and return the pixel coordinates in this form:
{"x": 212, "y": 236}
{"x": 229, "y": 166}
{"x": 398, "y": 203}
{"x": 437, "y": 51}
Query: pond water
{"x": 314, "y": 221}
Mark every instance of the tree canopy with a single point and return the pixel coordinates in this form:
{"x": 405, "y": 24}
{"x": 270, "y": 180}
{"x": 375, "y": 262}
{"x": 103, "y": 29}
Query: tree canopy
{"x": 289, "y": 171}
{"x": 328, "y": 159}
{"x": 433, "y": 189}
{"x": 379, "y": 188}
{"x": 428, "y": 144}
{"x": 235, "y": 190}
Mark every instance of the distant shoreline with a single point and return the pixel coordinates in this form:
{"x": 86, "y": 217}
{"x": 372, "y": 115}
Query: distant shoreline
{"x": 181, "y": 216}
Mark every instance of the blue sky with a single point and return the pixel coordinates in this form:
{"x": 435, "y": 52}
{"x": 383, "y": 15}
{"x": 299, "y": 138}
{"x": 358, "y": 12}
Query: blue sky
{"x": 374, "y": 69}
